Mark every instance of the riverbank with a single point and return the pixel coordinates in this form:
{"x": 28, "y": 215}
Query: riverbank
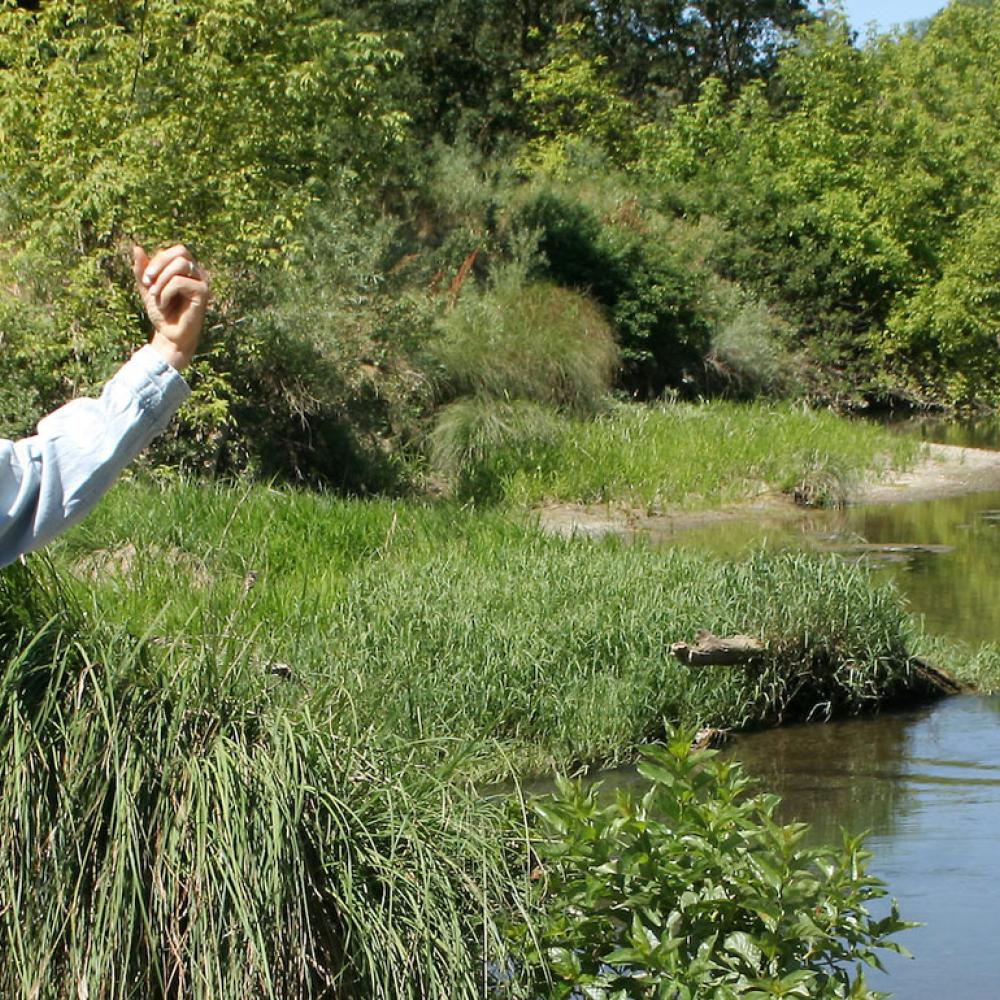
{"x": 938, "y": 471}
{"x": 316, "y": 687}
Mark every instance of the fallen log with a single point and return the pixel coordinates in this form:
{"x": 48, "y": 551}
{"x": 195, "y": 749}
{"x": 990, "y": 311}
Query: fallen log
{"x": 719, "y": 651}
{"x": 936, "y": 677}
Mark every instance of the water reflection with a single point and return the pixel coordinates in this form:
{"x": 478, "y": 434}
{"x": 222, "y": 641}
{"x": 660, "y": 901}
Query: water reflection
{"x": 943, "y": 554}
{"x": 840, "y": 775}
{"x": 969, "y": 432}
{"x": 927, "y": 785}
{"x": 957, "y": 592}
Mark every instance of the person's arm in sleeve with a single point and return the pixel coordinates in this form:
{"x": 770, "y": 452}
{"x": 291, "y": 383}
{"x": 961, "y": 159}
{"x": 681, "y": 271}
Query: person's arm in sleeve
{"x": 49, "y": 481}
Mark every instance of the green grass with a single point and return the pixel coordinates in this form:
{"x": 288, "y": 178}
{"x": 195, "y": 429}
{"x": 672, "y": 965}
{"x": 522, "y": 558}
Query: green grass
{"x": 241, "y": 729}
{"x": 177, "y": 824}
{"x": 438, "y": 623}
{"x": 689, "y": 456}
{"x": 526, "y": 341}
{"x": 977, "y": 666}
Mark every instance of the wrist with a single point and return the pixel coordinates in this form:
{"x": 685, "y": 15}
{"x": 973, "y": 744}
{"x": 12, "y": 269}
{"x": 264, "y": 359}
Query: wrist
{"x": 170, "y": 352}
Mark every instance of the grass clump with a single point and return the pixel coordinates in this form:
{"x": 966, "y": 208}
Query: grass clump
{"x": 177, "y": 824}
{"x": 527, "y": 341}
{"x": 472, "y": 439}
{"x": 696, "y": 456}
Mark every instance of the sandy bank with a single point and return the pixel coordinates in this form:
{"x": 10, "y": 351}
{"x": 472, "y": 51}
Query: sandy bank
{"x": 942, "y": 471}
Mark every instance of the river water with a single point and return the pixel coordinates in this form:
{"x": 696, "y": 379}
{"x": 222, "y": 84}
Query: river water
{"x": 926, "y": 782}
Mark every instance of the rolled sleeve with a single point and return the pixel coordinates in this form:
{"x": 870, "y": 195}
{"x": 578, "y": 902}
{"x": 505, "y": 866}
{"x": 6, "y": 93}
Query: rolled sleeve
{"x": 51, "y": 480}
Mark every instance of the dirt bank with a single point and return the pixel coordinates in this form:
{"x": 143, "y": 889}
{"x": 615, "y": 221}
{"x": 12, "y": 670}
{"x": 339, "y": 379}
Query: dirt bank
{"x": 943, "y": 471}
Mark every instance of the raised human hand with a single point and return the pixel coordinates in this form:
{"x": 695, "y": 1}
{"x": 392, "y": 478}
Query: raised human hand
{"x": 174, "y": 291}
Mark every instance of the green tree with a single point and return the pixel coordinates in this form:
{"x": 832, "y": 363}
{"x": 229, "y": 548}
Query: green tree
{"x": 672, "y": 47}
{"x": 217, "y": 123}
{"x": 570, "y": 98}
{"x": 859, "y": 202}
{"x": 463, "y": 57}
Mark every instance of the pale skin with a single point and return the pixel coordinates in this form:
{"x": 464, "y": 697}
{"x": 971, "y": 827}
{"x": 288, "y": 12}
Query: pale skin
{"x": 174, "y": 291}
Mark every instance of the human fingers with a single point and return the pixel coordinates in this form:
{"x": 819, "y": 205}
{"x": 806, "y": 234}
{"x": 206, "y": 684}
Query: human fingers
{"x": 140, "y": 261}
{"x": 179, "y": 266}
{"x": 161, "y": 260}
{"x": 180, "y": 290}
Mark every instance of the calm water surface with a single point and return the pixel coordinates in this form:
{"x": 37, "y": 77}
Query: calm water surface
{"x": 927, "y": 785}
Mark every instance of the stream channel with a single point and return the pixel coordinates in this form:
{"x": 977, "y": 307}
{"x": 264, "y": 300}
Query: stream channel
{"x": 924, "y": 782}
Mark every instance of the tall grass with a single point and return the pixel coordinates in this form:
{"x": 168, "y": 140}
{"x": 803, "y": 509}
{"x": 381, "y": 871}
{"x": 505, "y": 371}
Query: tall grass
{"x": 176, "y": 824}
{"x": 531, "y": 341}
{"x": 691, "y": 456}
{"x": 435, "y": 623}
{"x": 259, "y": 783}
{"x": 977, "y": 666}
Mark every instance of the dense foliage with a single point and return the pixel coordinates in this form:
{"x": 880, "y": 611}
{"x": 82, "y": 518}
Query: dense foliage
{"x": 693, "y": 890}
{"x": 751, "y": 210}
{"x": 153, "y": 121}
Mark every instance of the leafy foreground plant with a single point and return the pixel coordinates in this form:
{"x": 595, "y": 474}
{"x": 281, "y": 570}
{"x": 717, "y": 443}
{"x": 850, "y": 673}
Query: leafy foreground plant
{"x": 694, "y": 891}
{"x": 175, "y": 827}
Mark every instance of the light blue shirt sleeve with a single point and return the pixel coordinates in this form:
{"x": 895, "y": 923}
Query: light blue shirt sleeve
{"x": 50, "y": 481}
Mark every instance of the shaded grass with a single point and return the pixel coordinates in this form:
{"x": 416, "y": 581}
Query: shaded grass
{"x": 433, "y": 622}
{"x": 691, "y": 456}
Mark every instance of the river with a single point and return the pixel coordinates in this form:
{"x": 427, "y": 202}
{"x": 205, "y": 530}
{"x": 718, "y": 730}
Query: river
{"x": 926, "y": 782}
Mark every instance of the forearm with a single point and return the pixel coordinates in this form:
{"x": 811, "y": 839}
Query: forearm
{"x": 49, "y": 481}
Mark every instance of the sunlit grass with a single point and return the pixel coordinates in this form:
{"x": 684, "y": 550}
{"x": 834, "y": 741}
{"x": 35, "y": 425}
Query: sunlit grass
{"x": 240, "y": 738}
{"x": 434, "y": 622}
{"x": 178, "y": 824}
{"x": 692, "y": 456}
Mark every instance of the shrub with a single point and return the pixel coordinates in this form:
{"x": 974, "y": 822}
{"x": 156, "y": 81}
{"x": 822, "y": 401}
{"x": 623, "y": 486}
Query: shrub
{"x": 650, "y": 294}
{"x": 748, "y": 354}
{"x": 522, "y": 341}
{"x": 315, "y": 377}
{"x": 693, "y": 890}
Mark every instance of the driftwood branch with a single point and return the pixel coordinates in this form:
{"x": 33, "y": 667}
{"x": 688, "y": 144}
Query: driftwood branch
{"x": 717, "y": 651}
{"x": 937, "y": 678}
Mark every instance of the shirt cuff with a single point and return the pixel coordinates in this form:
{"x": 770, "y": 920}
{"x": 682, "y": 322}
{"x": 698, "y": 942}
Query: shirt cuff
{"x": 157, "y": 386}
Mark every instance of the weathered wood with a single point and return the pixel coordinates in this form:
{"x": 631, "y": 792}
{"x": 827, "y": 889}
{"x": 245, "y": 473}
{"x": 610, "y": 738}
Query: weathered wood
{"x": 710, "y": 738}
{"x": 719, "y": 651}
{"x": 936, "y": 677}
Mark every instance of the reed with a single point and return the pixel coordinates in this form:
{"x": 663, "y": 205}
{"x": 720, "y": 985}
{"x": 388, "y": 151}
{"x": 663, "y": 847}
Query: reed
{"x": 174, "y": 824}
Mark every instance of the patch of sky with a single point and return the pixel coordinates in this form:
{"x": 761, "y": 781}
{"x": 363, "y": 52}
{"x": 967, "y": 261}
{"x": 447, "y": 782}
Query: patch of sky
{"x": 886, "y": 14}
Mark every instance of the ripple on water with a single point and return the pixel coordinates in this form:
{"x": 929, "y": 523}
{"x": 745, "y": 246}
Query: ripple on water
{"x": 926, "y": 784}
